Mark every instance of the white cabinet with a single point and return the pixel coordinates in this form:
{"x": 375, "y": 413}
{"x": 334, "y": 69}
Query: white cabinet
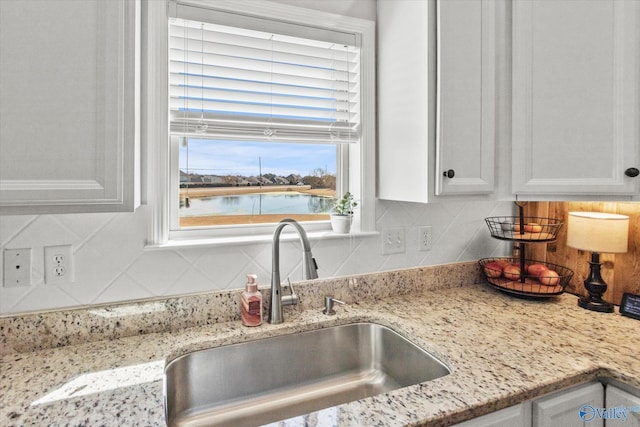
{"x": 576, "y": 85}
{"x": 562, "y": 120}
{"x": 564, "y": 408}
{"x": 406, "y": 48}
{"x": 623, "y": 407}
{"x": 466, "y": 97}
{"x": 465, "y": 57}
{"x": 69, "y": 107}
{"x": 514, "y": 416}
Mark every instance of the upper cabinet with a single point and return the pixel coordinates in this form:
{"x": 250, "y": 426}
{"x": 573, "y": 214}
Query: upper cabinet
{"x": 533, "y": 99}
{"x": 466, "y": 94}
{"x": 405, "y": 93}
{"x": 576, "y": 92}
{"x": 436, "y": 98}
{"x": 69, "y": 136}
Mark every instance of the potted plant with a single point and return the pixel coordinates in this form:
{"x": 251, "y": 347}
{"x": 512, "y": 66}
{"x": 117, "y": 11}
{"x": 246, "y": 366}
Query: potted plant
{"x": 342, "y": 213}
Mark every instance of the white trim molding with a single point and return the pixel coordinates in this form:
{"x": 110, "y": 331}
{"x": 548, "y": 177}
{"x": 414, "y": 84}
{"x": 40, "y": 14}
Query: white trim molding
{"x": 156, "y": 125}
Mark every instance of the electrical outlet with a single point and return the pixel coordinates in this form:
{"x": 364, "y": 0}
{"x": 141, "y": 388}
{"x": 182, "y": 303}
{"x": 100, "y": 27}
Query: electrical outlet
{"x": 58, "y": 264}
{"x": 393, "y": 240}
{"x": 17, "y": 267}
{"x": 425, "y": 238}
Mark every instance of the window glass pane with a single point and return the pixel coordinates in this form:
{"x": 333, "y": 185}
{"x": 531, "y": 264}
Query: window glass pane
{"x": 242, "y": 182}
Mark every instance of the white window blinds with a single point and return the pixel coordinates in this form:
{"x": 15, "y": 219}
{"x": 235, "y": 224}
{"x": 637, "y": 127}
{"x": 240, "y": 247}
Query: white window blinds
{"x": 235, "y": 83}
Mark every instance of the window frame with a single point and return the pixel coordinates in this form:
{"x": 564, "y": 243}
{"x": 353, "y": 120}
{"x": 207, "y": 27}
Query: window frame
{"x": 358, "y": 158}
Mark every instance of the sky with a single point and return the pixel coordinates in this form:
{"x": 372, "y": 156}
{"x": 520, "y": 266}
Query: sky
{"x": 242, "y": 158}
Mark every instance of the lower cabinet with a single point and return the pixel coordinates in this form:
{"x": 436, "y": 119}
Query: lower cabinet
{"x": 623, "y": 408}
{"x": 569, "y": 408}
{"x": 580, "y": 406}
{"x": 513, "y": 416}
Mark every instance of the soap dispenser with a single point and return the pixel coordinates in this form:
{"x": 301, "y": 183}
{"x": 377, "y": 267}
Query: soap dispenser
{"x": 251, "y": 303}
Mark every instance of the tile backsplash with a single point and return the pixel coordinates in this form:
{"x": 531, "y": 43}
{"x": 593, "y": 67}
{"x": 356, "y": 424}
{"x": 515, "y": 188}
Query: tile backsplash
{"x": 112, "y": 265}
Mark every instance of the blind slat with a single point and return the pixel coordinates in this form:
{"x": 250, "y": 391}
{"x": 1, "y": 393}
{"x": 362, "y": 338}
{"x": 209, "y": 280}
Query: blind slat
{"x": 194, "y": 61}
{"x": 179, "y": 97}
{"x": 262, "y": 110}
{"x": 223, "y": 83}
{"x": 217, "y": 40}
{"x": 209, "y": 71}
{"x": 196, "y": 49}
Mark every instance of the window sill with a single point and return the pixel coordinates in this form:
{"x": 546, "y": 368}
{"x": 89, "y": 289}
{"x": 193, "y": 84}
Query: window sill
{"x": 250, "y": 240}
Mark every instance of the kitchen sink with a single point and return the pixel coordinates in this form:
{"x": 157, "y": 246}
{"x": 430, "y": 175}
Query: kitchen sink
{"x": 271, "y": 379}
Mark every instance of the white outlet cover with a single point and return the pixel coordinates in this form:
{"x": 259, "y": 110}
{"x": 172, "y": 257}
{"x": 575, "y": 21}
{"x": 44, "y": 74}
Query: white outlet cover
{"x": 17, "y": 267}
{"x": 58, "y": 264}
{"x": 425, "y": 238}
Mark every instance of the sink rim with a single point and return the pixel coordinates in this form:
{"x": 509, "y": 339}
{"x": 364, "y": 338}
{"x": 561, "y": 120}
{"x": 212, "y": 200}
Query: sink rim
{"x": 288, "y": 329}
{"x": 435, "y": 363}
{"x": 244, "y": 336}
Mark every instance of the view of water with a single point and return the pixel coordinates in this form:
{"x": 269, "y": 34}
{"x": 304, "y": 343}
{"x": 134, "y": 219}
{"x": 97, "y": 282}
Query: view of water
{"x": 256, "y": 204}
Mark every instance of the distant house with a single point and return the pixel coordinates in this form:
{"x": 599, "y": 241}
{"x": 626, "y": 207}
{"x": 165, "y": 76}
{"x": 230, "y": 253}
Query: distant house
{"x": 213, "y": 179}
{"x": 293, "y": 178}
{"x": 281, "y": 180}
{"x": 188, "y": 177}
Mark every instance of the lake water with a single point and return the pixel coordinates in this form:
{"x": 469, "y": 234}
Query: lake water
{"x": 256, "y": 204}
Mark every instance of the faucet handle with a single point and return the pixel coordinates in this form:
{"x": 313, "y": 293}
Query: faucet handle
{"x": 328, "y": 305}
{"x": 292, "y": 298}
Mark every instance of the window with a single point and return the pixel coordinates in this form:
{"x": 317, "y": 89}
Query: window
{"x": 257, "y": 119}
{"x": 266, "y": 118}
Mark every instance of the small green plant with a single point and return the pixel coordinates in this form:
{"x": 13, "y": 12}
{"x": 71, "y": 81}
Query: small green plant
{"x": 345, "y": 205}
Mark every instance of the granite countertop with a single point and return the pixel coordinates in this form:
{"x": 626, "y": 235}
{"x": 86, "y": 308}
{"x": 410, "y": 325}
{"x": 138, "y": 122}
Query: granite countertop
{"x": 501, "y": 350}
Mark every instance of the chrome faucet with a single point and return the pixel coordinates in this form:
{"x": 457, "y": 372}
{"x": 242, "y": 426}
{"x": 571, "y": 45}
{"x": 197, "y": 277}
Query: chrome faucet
{"x": 309, "y": 271}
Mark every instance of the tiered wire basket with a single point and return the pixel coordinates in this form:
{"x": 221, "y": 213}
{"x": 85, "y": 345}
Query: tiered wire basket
{"x": 535, "y": 229}
{"x": 521, "y": 281}
{"x": 519, "y": 275}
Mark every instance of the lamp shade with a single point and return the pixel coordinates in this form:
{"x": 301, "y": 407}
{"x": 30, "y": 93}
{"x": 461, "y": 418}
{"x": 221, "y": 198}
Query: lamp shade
{"x": 598, "y": 232}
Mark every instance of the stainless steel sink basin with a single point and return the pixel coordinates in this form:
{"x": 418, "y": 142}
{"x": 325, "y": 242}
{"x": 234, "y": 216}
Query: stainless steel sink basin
{"x": 276, "y": 378}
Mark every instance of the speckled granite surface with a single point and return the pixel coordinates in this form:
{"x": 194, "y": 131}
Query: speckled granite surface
{"x": 35, "y": 331}
{"x": 502, "y": 350}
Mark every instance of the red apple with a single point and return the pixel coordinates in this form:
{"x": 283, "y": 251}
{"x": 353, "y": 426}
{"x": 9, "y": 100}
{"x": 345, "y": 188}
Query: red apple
{"x": 537, "y": 269}
{"x": 511, "y": 272}
{"x": 533, "y": 227}
{"x": 549, "y": 277}
{"x": 493, "y": 269}
{"x": 502, "y": 263}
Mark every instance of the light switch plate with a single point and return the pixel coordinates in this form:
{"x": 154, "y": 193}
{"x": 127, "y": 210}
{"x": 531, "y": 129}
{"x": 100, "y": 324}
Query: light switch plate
{"x": 393, "y": 240}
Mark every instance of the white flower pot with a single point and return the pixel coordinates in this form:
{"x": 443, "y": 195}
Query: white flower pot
{"x": 341, "y": 223}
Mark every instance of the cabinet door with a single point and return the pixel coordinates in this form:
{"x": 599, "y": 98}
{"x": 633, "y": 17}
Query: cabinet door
{"x": 68, "y": 127}
{"x": 514, "y": 416}
{"x": 404, "y": 90}
{"x": 564, "y": 408}
{"x": 575, "y": 112}
{"x": 624, "y": 408}
{"x": 466, "y": 88}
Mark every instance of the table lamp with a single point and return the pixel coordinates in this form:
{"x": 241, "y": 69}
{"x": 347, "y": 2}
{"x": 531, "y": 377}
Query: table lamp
{"x": 597, "y": 232}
